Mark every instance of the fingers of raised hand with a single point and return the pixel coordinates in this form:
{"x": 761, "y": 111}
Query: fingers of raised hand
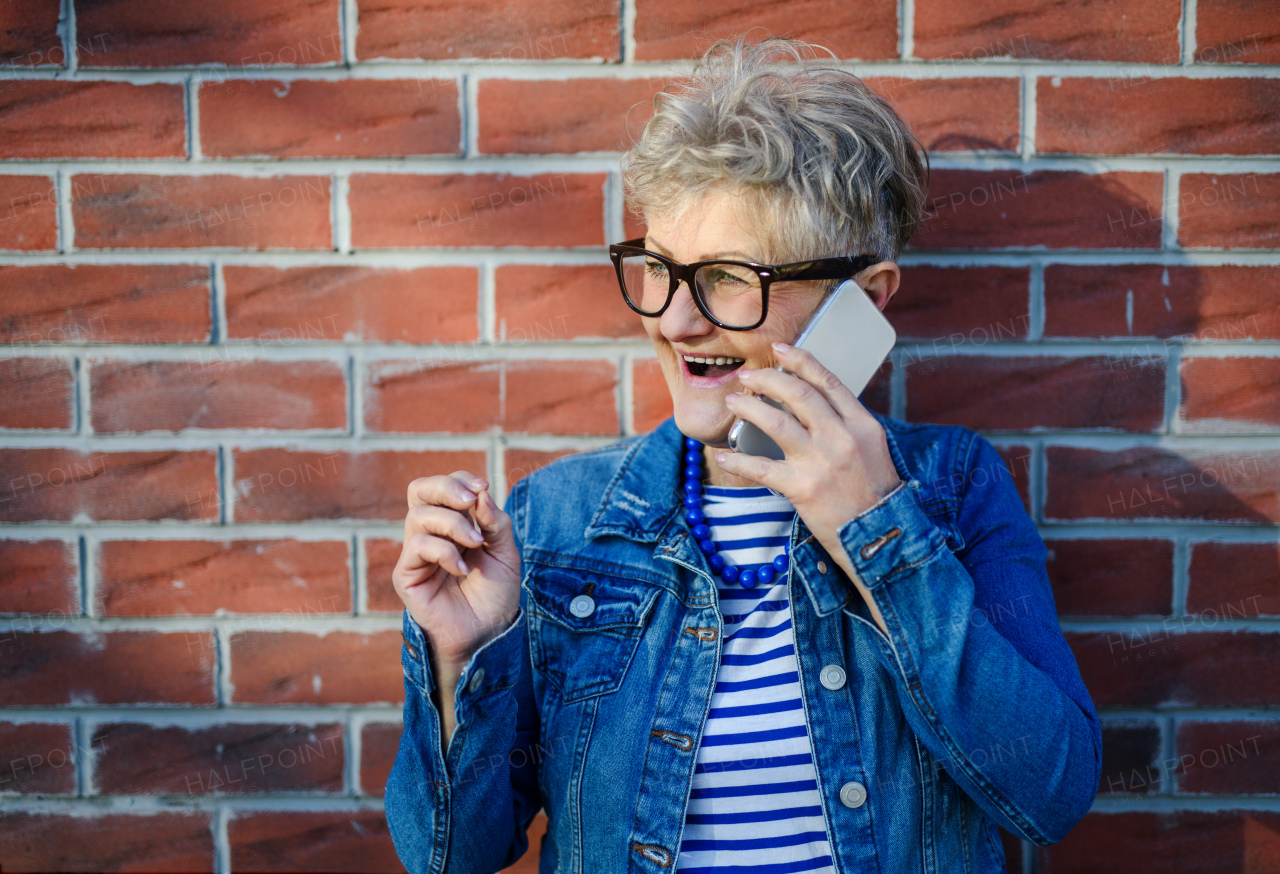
{"x": 778, "y": 424}
{"x": 443, "y": 522}
{"x": 423, "y": 550}
{"x": 823, "y": 382}
{"x": 458, "y": 490}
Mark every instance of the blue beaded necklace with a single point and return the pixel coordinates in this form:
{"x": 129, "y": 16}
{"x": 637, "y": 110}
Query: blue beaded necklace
{"x": 749, "y": 578}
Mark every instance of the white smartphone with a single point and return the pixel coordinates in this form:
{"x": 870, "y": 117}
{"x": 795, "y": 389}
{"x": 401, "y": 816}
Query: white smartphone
{"x": 848, "y": 336}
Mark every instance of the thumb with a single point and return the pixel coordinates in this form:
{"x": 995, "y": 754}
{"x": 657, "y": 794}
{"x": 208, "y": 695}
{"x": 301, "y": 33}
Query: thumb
{"x": 494, "y": 524}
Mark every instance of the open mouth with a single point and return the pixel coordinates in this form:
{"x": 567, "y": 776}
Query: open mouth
{"x": 711, "y": 366}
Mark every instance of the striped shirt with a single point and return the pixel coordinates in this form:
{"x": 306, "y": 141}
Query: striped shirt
{"x": 754, "y": 806}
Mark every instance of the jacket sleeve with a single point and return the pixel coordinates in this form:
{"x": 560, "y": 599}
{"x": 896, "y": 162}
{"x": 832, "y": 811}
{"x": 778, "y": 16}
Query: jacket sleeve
{"x": 985, "y": 678}
{"x": 468, "y": 811}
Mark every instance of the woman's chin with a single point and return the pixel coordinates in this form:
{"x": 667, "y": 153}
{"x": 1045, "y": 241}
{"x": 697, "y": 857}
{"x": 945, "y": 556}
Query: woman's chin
{"x": 705, "y": 423}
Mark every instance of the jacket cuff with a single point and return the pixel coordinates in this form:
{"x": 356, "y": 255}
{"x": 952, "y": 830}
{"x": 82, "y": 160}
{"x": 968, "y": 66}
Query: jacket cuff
{"x": 891, "y": 536}
{"x": 494, "y": 667}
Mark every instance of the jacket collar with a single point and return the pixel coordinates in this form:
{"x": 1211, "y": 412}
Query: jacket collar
{"x": 647, "y": 493}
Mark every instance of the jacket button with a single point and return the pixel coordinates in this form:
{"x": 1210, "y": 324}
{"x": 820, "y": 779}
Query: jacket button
{"x": 476, "y": 679}
{"x": 832, "y": 677}
{"x": 582, "y": 606}
{"x": 822, "y": 567}
{"x": 853, "y": 794}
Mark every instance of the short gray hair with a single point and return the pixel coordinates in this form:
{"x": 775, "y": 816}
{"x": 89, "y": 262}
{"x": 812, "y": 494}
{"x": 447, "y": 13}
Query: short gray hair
{"x": 828, "y": 160}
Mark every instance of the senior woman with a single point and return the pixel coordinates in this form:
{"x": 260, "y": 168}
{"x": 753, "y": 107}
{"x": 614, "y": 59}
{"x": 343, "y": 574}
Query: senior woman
{"x": 699, "y": 660}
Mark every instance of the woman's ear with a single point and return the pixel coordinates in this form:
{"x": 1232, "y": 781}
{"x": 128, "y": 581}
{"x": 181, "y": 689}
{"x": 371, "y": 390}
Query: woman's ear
{"x": 880, "y": 281}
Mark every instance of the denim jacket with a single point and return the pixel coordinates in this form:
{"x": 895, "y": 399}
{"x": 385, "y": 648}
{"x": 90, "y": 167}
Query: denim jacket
{"x": 969, "y": 713}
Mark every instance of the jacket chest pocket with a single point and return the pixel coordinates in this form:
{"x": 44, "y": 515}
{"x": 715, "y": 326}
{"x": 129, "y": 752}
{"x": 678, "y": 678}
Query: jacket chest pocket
{"x": 585, "y": 628}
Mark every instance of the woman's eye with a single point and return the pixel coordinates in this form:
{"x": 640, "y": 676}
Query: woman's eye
{"x": 656, "y": 268}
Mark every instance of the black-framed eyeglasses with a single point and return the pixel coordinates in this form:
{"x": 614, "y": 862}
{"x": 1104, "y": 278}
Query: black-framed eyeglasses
{"x": 733, "y": 295}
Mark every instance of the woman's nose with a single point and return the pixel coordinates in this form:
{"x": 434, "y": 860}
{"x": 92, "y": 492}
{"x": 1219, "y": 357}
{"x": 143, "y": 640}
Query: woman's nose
{"x": 683, "y": 318}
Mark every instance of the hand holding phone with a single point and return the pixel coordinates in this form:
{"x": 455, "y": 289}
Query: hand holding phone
{"x": 849, "y": 336}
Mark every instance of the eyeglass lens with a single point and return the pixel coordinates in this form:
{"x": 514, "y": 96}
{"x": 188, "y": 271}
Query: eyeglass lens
{"x": 730, "y": 292}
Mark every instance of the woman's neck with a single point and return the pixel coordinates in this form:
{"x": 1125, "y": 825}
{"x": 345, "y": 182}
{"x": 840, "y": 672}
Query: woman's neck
{"x": 717, "y": 476}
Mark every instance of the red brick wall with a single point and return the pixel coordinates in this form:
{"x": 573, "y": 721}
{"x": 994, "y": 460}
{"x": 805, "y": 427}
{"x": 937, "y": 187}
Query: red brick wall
{"x": 264, "y": 262}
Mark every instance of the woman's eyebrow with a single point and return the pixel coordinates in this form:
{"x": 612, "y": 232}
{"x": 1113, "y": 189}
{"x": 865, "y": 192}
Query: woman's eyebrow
{"x": 653, "y": 244}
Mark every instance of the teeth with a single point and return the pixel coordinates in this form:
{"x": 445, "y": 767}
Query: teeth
{"x": 715, "y": 360}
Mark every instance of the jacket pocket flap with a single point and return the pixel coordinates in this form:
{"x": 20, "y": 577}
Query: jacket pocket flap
{"x": 582, "y": 600}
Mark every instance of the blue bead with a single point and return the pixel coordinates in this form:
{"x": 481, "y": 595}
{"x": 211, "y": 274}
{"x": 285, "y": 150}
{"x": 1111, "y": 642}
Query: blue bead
{"x": 693, "y": 487}
{"x": 695, "y": 516}
{"x": 780, "y": 563}
{"x": 716, "y": 561}
{"x": 690, "y": 443}
{"x": 693, "y": 500}
{"x": 707, "y": 546}
{"x": 692, "y": 457}
{"x": 701, "y": 532}
{"x": 730, "y": 573}
{"x": 693, "y": 472}
{"x": 765, "y": 574}
{"x": 748, "y": 579}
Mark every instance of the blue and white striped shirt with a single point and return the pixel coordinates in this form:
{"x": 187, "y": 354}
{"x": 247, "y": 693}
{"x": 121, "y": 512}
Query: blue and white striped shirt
{"x": 754, "y": 806}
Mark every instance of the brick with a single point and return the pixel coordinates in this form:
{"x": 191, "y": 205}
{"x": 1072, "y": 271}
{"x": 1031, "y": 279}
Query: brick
{"x": 1234, "y": 579}
{"x": 543, "y": 117}
{"x": 1017, "y": 459}
{"x": 151, "y": 841}
{"x": 1225, "y": 302}
{"x": 356, "y": 118}
{"x": 979, "y": 115}
{"x": 1230, "y": 757}
{"x": 449, "y": 396}
{"x": 1130, "y": 757}
{"x": 1076, "y": 30}
{"x": 28, "y": 213}
{"x": 549, "y": 397}
{"x": 61, "y": 485}
{"x": 178, "y": 395}
{"x": 381, "y": 557}
{"x": 672, "y": 30}
{"x": 1239, "y": 211}
{"x": 522, "y": 462}
{"x": 379, "y": 742}
{"x": 1141, "y": 116}
{"x": 341, "y": 667}
{"x": 149, "y": 211}
{"x": 1174, "y": 842}
{"x": 537, "y": 303}
{"x": 108, "y": 667}
{"x": 418, "y": 305}
{"x": 46, "y": 119}
{"x": 235, "y": 758}
{"x": 561, "y": 397}
{"x": 1048, "y": 209}
{"x": 283, "y": 485}
{"x": 1006, "y": 393}
{"x": 41, "y": 576}
{"x": 436, "y": 30}
{"x": 1148, "y": 482}
{"x": 41, "y": 393}
{"x": 537, "y": 834}
{"x": 476, "y": 209}
{"x": 289, "y": 578}
{"x": 955, "y": 306}
{"x": 104, "y": 303}
{"x": 313, "y": 840}
{"x": 39, "y": 758}
{"x": 650, "y": 397}
{"x": 1237, "y": 32}
{"x": 1111, "y": 577}
{"x": 1230, "y": 394}
{"x": 29, "y": 34}
{"x": 1159, "y": 665}
{"x": 249, "y": 33}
